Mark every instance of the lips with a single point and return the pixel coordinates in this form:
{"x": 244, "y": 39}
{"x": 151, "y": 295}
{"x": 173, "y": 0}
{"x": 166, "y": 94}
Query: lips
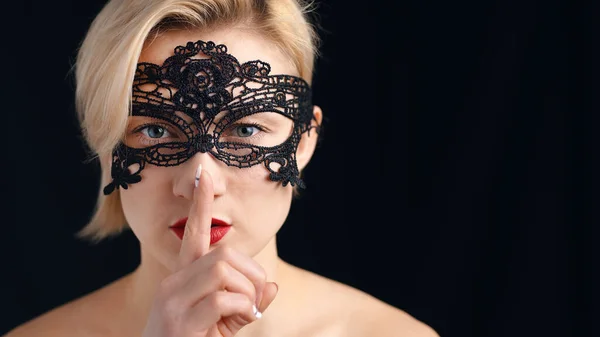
{"x": 218, "y": 229}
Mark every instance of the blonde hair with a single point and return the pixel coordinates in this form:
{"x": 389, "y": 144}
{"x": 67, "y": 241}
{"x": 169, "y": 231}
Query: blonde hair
{"x": 107, "y": 58}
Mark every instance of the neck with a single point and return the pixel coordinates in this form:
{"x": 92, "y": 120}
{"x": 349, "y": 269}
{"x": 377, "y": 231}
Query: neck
{"x": 144, "y": 281}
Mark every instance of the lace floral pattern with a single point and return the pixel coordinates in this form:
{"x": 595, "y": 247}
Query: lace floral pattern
{"x": 199, "y": 83}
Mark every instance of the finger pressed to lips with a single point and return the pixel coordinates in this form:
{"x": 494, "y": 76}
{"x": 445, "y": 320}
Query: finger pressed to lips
{"x": 196, "y": 237}
{"x": 231, "y": 270}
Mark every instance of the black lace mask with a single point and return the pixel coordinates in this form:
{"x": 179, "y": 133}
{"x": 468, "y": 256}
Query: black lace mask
{"x": 206, "y": 101}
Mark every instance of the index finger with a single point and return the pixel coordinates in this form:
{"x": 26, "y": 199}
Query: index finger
{"x": 196, "y": 237}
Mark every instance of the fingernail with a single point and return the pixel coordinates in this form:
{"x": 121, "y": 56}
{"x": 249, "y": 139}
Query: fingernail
{"x": 276, "y": 286}
{"x": 256, "y": 313}
{"x": 197, "y": 177}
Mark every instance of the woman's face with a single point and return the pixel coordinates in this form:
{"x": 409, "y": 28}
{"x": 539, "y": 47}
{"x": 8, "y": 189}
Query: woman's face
{"x": 246, "y": 198}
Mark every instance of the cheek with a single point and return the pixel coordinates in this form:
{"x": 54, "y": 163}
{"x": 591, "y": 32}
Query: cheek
{"x": 257, "y": 173}
{"x": 254, "y": 177}
{"x": 254, "y": 181}
{"x": 145, "y": 195}
{"x": 264, "y": 201}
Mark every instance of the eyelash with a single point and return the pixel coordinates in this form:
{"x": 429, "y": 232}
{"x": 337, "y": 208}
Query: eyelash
{"x": 256, "y": 125}
{"x": 154, "y": 141}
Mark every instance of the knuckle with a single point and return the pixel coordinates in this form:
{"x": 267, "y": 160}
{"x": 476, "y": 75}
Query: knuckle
{"x": 249, "y": 288}
{"x": 220, "y": 270}
{"x": 247, "y": 304}
{"x": 216, "y": 300}
{"x": 226, "y": 253}
{"x": 252, "y": 292}
{"x": 260, "y": 277}
{"x": 263, "y": 274}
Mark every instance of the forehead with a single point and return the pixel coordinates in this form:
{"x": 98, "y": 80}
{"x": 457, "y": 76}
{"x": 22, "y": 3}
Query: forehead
{"x": 242, "y": 44}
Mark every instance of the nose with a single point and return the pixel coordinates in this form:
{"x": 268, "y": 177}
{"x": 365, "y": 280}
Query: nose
{"x": 183, "y": 185}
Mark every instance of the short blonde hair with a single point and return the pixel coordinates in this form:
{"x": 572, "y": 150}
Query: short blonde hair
{"x": 107, "y": 58}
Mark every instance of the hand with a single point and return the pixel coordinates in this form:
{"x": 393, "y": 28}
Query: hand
{"x": 210, "y": 293}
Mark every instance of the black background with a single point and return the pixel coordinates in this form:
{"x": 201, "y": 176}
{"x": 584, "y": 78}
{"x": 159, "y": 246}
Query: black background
{"x": 450, "y": 181}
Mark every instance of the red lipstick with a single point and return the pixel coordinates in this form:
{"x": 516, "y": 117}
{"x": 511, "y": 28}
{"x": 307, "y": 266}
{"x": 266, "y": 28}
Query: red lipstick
{"x": 218, "y": 229}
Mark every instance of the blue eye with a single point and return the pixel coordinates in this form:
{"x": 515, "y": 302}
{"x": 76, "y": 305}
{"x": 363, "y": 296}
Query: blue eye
{"x": 154, "y": 131}
{"x": 246, "y": 130}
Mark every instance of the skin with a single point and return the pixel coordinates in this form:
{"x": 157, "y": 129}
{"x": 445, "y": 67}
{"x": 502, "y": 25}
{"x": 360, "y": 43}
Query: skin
{"x": 174, "y": 276}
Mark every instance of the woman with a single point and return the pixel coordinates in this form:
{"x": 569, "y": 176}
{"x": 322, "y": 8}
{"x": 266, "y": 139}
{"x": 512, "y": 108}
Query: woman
{"x": 200, "y": 114}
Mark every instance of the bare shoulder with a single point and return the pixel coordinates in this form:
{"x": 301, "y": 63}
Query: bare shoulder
{"x": 52, "y": 323}
{"x": 377, "y": 318}
{"x": 356, "y": 313}
{"x": 64, "y": 320}
{"x": 80, "y": 317}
